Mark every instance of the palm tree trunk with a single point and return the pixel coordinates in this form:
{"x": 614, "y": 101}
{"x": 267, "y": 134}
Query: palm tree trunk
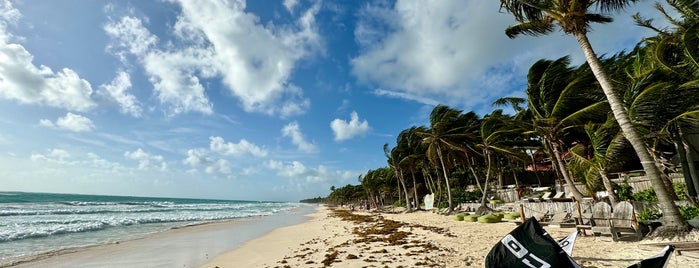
{"x": 417, "y": 203}
{"x": 690, "y": 167}
{"x": 446, "y": 178}
{"x": 473, "y": 171}
{"x": 405, "y": 190}
{"x": 671, "y": 215}
{"x": 483, "y": 206}
{"x": 608, "y": 186}
{"x": 564, "y": 171}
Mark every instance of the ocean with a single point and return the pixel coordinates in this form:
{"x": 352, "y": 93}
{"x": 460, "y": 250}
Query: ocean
{"x": 32, "y": 224}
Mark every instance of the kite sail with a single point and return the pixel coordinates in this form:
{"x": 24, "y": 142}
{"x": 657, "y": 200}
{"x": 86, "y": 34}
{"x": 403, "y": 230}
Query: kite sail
{"x": 529, "y": 246}
{"x": 658, "y": 261}
{"x": 568, "y": 243}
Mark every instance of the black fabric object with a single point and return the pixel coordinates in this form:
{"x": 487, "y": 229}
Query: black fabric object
{"x": 528, "y": 246}
{"x": 657, "y": 261}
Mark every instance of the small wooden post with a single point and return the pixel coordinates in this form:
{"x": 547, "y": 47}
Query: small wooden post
{"x": 521, "y": 212}
{"x": 577, "y": 203}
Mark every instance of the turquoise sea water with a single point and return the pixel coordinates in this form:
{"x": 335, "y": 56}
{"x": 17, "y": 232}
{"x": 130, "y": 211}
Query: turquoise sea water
{"x": 36, "y": 223}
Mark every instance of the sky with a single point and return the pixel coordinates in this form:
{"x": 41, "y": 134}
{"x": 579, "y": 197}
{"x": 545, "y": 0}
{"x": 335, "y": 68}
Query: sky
{"x": 257, "y": 100}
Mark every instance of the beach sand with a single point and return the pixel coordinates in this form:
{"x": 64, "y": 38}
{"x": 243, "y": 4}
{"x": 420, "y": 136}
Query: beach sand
{"x": 336, "y": 238}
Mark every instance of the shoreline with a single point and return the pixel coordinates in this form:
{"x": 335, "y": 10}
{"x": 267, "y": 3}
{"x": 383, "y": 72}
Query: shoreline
{"x": 337, "y": 238}
{"x": 184, "y": 246}
{"x": 318, "y": 235}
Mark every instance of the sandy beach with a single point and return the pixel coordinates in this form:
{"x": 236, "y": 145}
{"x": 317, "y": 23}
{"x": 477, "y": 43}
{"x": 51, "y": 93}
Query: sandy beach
{"x": 336, "y": 238}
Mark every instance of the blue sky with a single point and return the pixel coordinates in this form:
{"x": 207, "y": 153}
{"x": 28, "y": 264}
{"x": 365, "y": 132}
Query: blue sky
{"x": 257, "y": 100}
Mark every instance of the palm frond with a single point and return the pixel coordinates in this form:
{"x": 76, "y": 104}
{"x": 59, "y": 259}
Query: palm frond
{"x": 531, "y": 28}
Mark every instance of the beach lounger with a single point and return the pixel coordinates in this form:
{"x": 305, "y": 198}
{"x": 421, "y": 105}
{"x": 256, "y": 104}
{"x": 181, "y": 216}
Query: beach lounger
{"x": 583, "y": 222}
{"x": 562, "y": 220}
{"x": 601, "y": 212}
{"x": 623, "y": 222}
{"x": 619, "y": 224}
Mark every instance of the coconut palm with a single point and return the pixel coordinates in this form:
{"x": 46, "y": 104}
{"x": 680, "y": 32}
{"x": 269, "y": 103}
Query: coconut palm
{"x": 560, "y": 99}
{"x": 675, "y": 52}
{"x": 413, "y": 152}
{"x": 498, "y": 136}
{"x": 393, "y": 158}
{"x": 604, "y": 152}
{"x": 440, "y": 138}
{"x": 573, "y": 17}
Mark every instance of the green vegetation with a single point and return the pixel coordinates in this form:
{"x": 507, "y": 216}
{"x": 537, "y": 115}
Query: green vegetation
{"x": 688, "y": 212}
{"x": 623, "y": 191}
{"x": 647, "y": 195}
{"x": 570, "y": 115}
{"x": 649, "y": 215}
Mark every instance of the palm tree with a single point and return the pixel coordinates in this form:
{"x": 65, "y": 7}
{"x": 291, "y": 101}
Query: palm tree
{"x": 560, "y": 99}
{"x": 572, "y": 16}
{"x": 498, "y": 136}
{"x": 439, "y": 138}
{"x": 676, "y": 53}
{"x": 604, "y": 152}
{"x": 413, "y": 151}
{"x": 393, "y": 158}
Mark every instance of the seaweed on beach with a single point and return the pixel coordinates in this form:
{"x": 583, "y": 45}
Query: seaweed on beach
{"x": 330, "y": 258}
{"x": 377, "y": 229}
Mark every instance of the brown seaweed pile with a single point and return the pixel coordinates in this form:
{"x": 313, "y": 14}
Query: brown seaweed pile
{"x": 374, "y": 235}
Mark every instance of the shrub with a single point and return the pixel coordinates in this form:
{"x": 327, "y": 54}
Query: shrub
{"x": 399, "y": 203}
{"x": 688, "y": 212}
{"x": 459, "y": 217}
{"x": 646, "y": 195}
{"x": 680, "y": 190}
{"x": 649, "y": 214}
{"x": 496, "y": 201}
{"x": 624, "y": 191}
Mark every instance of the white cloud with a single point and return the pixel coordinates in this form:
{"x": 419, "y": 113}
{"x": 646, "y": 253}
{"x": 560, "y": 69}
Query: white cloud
{"x": 236, "y": 149}
{"x": 59, "y": 156}
{"x": 200, "y": 158}
{"x": 441, "y": 50}
{"x": 146, "y": 160}
{"x": 196, "y": 157}
{"x": 221, "y": 166}
{"x": 173, "y": 74}
{"x": 298, "y": 171}
{"x": 219, "y": 39}
{"x": 344, "y": 130}
{"x": 293, "y": 131}
{"x": 25, "y": 82}
{"x": 290, "y": 4}
{"x": 406, "y": 96}
{"x": 130, "y": 36}
{"x": 117, "y": 91}
{"x": 72, "y": 122}
{"x": 255, "y": 61}
{"x": 46, "y": 123}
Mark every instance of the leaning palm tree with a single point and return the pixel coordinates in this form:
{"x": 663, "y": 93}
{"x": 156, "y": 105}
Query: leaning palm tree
{"x": 393, "y": 159}
{"x": 444, "y": 129}
{"x": 498, "y": 139}
{"x": 604, "y": 152}
{"x": 573, "y": 17}
{"x": 561, "y": 99}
